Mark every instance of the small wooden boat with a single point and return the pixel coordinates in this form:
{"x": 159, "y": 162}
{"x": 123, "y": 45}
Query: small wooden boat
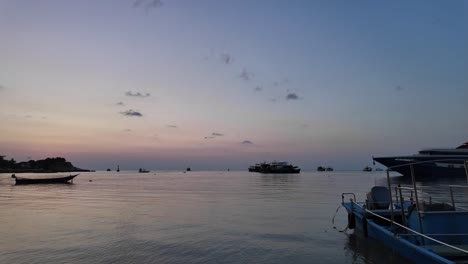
{"x": 44, "y": 180}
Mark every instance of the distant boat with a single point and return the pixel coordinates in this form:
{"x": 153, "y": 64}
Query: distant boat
{"x": 189, "y": 169}
{"x": 42, "y": 180}
{"x": 118, "y": 168}
{"x": 108, "y": 169}
{"x": 367, "y": 168}
{"x": 274, "y": 167}
{"x": 143, "y": 171}
{"x": 321, "y": 168}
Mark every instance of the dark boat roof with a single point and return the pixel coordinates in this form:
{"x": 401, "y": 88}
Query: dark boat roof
{"x": 460, "y": 150}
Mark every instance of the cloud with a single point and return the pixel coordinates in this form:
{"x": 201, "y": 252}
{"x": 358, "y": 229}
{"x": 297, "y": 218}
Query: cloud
{"x": 245, "y": 75}
{"x": 127, "y": 130}
{"x": 2, "y": 87}
{"x": 137, "y": 94}
{"x": 214, "y": 135}
{"x": 399, "y": 88}
{"x": 284, "y": 81}
{"x": 148, "y": 4}
{"x": 131, "y": 112}
{"x": 226, "y": 58}
{"x": 172, "y": 126}
{"x": 247, "y": 142}
{"x": 120, "y": 104}
{"x": 258, "y": 88}
{"x": 34, "y": 117}
{"x": 292, "y": 96}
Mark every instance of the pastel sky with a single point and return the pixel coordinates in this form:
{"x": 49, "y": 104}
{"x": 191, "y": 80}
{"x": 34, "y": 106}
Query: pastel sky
{"x": 224, "y": 84}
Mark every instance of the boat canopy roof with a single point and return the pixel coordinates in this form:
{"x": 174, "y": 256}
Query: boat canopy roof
{"x": 444, "y": 151}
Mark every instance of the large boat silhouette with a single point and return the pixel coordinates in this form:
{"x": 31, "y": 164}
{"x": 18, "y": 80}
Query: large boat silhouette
{"x": 274, "y": 167}
{"x": 443, "y": 162}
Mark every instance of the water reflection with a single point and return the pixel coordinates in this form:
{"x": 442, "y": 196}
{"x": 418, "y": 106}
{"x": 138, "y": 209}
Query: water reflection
{"x": 428, "y": 180}
{"x": 277, "y": 181}
{"x": 369, "y": 250}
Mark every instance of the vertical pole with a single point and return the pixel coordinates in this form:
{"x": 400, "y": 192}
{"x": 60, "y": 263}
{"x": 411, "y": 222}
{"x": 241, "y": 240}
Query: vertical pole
{"x": 396, "y": 193}
{"x": 451, "y": 196}
{"x": 417, "y": 200}
{"x": 391, "y": 198}
{"x": 466, "y": 167}
{"x": 403, "y": 217}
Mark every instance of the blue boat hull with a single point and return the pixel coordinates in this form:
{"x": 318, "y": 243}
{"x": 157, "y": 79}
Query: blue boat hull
{"x": 413, "y": 252}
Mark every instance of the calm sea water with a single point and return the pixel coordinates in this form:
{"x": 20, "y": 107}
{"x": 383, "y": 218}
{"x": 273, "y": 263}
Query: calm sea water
{"x": 195, "y": 217}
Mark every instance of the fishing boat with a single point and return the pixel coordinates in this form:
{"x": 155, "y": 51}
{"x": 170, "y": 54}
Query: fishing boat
{"x": 411, "y": 222}
{"x": 143, "y": 171}
{"x": 44, "y": 179}
{"x": 439, "y": 162}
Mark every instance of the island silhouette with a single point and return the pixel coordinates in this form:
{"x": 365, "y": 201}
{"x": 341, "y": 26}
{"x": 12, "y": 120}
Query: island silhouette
{"x": 47, "y": 165}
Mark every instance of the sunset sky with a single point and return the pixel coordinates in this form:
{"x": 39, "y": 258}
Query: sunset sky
{"x": 224, "y": 84}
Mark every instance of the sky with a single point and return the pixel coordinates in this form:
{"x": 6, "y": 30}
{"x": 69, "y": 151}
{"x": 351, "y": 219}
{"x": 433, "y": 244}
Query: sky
{"x": 214, "y": 84}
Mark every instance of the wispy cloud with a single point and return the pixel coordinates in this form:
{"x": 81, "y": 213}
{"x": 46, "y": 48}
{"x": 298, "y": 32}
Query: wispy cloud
{"x": 399, "y": 88}
{"x": 148, "y": 4}
{"x": 172, "y": 126}
{"x": 284, "y": 81}
{"x": 34, "y": 117}
{"x": 127, "y": 130}
{"x": 246, "y": 75}
{"x": 2, "y": 87}
{"x": 131, "y": 113}
{"x": 292, "y": 96}
{"x": 214, "y": 135}
{"x": 137, "y": 94}
{"x": 120, "y": 104}
{"x": 258, "y": 88}
{"x": 226, "y": 58}
{"x": 247, "y": 142}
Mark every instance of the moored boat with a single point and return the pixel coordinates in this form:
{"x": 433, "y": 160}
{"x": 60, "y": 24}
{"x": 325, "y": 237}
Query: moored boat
{"x": 433, "y": 162}
{"x": 44, "y": 180}
{"x": 411, "y": 222}
{"x": 274, "y": 167}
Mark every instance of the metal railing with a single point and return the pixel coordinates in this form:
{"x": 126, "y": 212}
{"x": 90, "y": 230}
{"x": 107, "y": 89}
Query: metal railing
{"x": 413, "y": 231}
{"x": 413, "y": 179}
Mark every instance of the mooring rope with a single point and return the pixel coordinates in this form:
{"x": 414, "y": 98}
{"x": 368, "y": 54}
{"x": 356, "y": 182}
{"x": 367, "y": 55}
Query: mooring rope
{"x": 333, "y": 221}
